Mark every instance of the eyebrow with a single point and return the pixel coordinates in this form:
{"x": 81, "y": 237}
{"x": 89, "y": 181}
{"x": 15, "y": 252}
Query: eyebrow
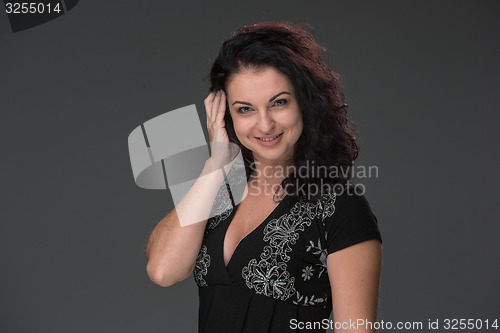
{"x": 270, "y": 100}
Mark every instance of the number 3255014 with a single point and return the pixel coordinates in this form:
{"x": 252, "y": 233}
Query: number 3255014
{"x": 32, "y": 8}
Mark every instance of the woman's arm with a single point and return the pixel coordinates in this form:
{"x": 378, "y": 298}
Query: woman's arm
{"x": 354, "y": 274}
{"x": 175, "y": 242}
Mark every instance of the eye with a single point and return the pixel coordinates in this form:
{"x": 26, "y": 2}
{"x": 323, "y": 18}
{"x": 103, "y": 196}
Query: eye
{"x": 244, "y": 109}
{"x": 280, "y": 102}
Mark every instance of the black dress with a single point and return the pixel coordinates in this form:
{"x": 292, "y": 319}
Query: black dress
{"x": 277, "y": 274}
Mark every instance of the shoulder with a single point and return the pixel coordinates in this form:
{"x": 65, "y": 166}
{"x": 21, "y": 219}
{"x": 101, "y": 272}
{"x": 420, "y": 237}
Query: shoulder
{"x": 352, "y": 220}
{"x": 341, "y": 200}
{"x": 352, "y": 202}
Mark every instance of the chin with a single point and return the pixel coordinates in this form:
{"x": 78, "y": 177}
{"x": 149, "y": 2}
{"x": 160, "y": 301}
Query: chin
{"x": 269, "y": 156}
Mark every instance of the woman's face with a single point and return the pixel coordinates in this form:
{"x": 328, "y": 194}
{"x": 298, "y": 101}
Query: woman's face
{"x": 266, "y": 116}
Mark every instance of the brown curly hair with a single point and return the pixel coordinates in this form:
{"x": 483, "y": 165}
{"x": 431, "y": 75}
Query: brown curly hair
{"x": 328, "y": 136}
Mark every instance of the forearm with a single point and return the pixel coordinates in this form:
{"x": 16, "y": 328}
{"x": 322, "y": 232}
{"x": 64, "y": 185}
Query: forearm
{"x": 175, "y": 242}
{"x": 354, "y": 274}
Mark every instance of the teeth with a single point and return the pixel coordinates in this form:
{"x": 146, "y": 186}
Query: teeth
{"x": 270, "y": 139}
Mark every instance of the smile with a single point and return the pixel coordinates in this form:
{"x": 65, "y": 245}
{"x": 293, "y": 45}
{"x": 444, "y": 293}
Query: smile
{"x": 269, "y": 141}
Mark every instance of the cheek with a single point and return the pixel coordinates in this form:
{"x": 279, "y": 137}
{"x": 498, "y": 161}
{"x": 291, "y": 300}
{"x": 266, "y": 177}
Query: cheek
{"x": 298, "y": 120}
{"x": 300, "y": 127}
{"x": 240, "y": 128}
{"x": 294, "y": 122}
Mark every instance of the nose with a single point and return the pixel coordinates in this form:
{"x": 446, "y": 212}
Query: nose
{"x": 265, "y": 122}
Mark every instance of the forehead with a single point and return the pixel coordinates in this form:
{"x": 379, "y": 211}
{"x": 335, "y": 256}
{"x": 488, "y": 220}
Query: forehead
{"x": 254, "y": 83}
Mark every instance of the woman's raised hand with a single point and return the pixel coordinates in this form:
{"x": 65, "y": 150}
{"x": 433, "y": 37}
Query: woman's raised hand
{"x": 215, "y": 105}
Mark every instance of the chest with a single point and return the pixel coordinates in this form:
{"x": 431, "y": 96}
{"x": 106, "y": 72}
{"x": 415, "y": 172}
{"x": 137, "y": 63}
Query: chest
{"x": 249, "y": 214}
{"x": 276, "y": 250}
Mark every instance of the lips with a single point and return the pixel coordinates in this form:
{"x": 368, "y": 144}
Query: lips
{"x": 268, "y": 138}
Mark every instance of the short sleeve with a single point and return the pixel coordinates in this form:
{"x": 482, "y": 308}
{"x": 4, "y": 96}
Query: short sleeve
{"x": 352, "y": 222}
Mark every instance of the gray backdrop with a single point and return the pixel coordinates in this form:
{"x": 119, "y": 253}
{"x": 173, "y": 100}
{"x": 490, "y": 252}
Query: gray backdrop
{"x": 421, "y": 79}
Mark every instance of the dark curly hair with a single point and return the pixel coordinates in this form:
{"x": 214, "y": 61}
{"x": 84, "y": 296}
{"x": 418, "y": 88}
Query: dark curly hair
{"x": 328, "y": 136}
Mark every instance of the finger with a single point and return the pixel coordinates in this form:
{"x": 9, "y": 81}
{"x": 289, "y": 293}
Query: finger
{"x": 208, "y": 104}
{"x": 222, "y": 108}
{"x": 215, "y": 106}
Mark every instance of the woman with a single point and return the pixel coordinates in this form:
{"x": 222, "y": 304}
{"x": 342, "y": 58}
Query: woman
{"x": 298, "y": 245}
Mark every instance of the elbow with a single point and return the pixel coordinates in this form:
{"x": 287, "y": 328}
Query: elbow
{"x": 159, "y": 277}
{"x": 165, "y": 277}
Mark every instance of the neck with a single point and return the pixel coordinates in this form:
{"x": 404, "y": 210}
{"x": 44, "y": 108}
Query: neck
{"x": 266, "y": 176}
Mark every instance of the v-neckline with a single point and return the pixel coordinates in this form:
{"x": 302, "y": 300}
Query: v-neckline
{"x": 247, "y": 235}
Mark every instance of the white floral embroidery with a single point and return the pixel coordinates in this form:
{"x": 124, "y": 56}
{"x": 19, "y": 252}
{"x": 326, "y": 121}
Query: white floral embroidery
{"x": 223, "y": 205}
{"x": 329, "y": 209}
{"x": 307, "y": 272}
{"x": 201, "y": 266}
{"x": 328, "y": 206}
{"x": 214, "y": 221}
{"x": 269, "y": 279}
{"x": 282, "y": 232}
{"x": 269, "y": 276}
{"x": 221, "y": 209}
{"x": 308, "y": 300}
{"x": 322, "y": 253}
